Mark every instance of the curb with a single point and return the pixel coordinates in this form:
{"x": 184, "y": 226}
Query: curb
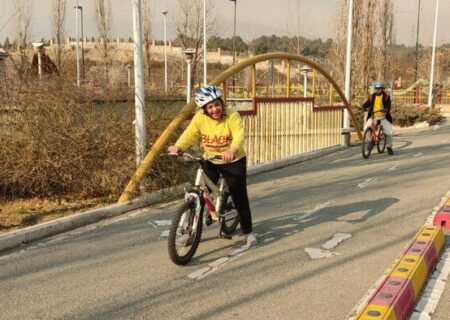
{"x": 396, "y": 294}
{"x": 16, "y": 238}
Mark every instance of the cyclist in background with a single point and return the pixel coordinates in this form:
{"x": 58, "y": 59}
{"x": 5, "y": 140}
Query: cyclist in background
{"x": 222, "y": 133}
{"x": 378, "y": 107}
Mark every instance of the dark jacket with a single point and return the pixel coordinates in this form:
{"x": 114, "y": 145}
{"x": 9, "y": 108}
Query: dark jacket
{"x": 368, "y": 106}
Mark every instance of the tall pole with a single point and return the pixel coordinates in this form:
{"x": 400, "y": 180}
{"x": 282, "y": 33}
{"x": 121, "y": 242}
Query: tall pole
{"x": 234, "y": 34}
{"x": 305, "y": 83}
{"x": 348, "y": 61}
{"x": 430, "y": 89}
{"x": 416, "y": 71}
{"x": 188, "y": 88}
{"x": 205, "y": 64}
{"x": 82, "y": 45}
{"x": 164, "y": 12}
{"x": 139, "y": 82}
{"x": 77, "y": 45}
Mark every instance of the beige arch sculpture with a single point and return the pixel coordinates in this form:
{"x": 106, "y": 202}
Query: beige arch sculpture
{"x": 161, "y": 142}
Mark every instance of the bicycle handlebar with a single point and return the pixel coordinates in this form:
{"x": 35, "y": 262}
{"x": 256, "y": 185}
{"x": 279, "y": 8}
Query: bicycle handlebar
{"x": 194, "y": 158}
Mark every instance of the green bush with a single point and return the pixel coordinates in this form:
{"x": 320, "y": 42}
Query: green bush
{"x": 405, "y": 115}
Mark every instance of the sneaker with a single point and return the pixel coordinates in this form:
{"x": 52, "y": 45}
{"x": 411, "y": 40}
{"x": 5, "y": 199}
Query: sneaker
{"x": 251, "y": 240}
{"x": 390, "y": 151}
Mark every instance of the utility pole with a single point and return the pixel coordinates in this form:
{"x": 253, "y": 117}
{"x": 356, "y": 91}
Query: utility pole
{"x": 139, "y": 82}
{"x": 348, "y": 65}
{"x": 430, "y": 89}
{"x": 77, "y": 41}
{"x": 205, "y": 63}
{"x": 416, "y": 72}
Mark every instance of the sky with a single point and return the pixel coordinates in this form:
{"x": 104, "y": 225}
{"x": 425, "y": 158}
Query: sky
{"x": 254, "y": 18}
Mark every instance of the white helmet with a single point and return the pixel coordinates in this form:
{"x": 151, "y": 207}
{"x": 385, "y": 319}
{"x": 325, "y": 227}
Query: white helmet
{"x": 206, "y": 94}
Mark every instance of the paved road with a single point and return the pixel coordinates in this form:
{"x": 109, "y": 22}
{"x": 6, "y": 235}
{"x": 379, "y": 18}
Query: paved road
{"x": 119, "y": 269}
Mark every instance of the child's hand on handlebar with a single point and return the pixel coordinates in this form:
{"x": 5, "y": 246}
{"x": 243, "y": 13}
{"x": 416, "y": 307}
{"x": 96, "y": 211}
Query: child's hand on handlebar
{"x": 173, "y": 149}
{"x": 229, "y": 155}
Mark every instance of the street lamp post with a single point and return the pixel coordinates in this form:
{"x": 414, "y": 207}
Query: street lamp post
{"x": 430, "y": 89}
{"x": 77, "y": 44}
{"x": 234, "y": 33}
{"x": 139, "y": 99}
{"x": 205, "y": 63}
{"x": 348, "y": 62}
{"x": 164, "y": 12}
{"x": 188, "y": 56}
{"x": 82, "y": 41}
{"x": 305, "y": 70}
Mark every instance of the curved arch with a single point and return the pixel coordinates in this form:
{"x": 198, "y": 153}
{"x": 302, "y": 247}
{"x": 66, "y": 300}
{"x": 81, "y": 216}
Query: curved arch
{"x": 190, "y": 107}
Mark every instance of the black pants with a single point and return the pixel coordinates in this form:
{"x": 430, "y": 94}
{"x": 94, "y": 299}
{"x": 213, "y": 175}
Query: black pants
{"x": 235, "y": 175}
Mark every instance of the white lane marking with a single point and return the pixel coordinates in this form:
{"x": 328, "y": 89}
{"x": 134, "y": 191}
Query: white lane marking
{"x": 313, "y": 211}
{"x": 165, "y": 234}
{"x": 268, "y": 239}
{"x": 152, "y": 224}
{"x": 365, "y": 183}
{"x": 432, "y": 293}
{"x": 215, "y": 265}
{"x": 418, "y": 154}
{"x": 436, "y": 126}
{"x": 393, "y": 168}
{"x": 161, "y": 223}
{"x": 317, "y": 253}
{"x": 337, "y": 239}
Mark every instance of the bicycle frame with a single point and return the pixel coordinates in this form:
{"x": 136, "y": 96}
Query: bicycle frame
{"x": 204, "y": 184}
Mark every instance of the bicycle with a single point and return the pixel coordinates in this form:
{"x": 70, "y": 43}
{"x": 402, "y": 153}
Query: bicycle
{"x": 373, "y": 135}
{"x": 187, "y": 225}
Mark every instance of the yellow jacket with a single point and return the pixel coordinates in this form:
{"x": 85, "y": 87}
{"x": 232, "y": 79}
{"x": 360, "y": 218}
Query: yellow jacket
{"x": 217, "y": 136}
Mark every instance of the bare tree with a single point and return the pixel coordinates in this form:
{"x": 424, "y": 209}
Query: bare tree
{"x": 58, "y": 24}
{"x": 189, "y": 27}
{"x": 103, "y": 12}
{"x": 23, "y": 12}
{"x": 385, "y": 39}
{"x": 147, "y": 31}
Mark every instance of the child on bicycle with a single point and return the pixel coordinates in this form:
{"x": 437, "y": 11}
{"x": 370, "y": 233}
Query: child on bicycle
{"x": 378, "y": 107}
{"x": 221, "y": 133}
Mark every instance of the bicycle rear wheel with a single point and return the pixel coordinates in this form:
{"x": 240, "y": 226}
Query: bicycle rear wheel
{"x": 381, "y": 145}
{"x": 184, "y": 237}
{"x": 367, "y": 143}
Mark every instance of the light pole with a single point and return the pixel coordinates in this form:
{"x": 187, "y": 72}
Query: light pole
{"x": 417, "y": 45}
{"x": 77, "y": 44}
{"x": 3, "y": 56}
{"x": 82, "y": 41}
{"x": 305, "y": 70}
{"x": 188, "y": 56}
{"x": 164, "y": 12}
{"x": 205, "y": 64}
{"x": 430, "y": 89}
{"x": 348, "y": 62}
{"x": 234, "y": 34}
{"x": 39, "y": 46}
{"x": 139, "y": 99}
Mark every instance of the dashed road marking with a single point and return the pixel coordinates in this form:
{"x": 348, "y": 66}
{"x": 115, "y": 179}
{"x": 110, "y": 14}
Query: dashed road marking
{"x": 418, "y": 154}
{"x": 165, "y": 234}
{"x": 162, "y": 223}
{"x": 318, "y": 253}
{"x": 216, "y": 264}
{"x": 393, "y": 168}
{"x": 365, "y": 183}
{"x": 309, "y": 213}
{"x": 336, "y": 240}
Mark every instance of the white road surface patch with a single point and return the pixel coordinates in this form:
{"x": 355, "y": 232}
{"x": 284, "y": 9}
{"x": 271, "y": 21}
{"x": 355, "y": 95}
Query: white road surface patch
{"x": 365, "y": 183}
{"x": 393, "y": 168}
{"x": 436, "y": 126}
{"x": 317, "y": 253}
{"x": 313, "y": 211}
{"x": 215, "y": 265}
{"x": 336, "y": 240}
{"x": 152, "y": 224}
{"x": 164, "y": 234}
{"x": 418, "y": 154}
{"x": 162, "y": 223}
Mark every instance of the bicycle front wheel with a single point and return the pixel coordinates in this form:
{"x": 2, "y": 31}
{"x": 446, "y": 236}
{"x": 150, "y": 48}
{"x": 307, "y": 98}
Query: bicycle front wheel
{"x": 367, "y": 143}
{"x": 185, "y": 232}
{"x": 381, "y": 145}
{"x": 230, "y": 216}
